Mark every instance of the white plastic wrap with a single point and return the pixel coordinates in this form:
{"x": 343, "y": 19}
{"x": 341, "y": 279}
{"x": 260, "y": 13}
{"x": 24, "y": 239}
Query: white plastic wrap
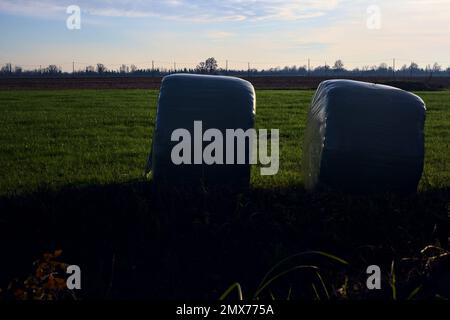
{"x": 363, "y": 136}
{"x": 220, "y": 103}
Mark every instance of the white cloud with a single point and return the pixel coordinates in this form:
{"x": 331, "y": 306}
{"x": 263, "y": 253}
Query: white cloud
{"x": 189, "y": 10}
{"x": 411, "y": 29}
{"x": 219, "y": 35}
{"x": 38, "y": 8}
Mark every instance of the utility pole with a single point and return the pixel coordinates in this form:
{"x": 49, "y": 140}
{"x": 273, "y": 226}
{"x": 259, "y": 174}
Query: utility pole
{"x": 309, "y": 66}
{"x": 393, "y": 68}
{"x": 174, "y": 67}
{"x": 411, "y": 70}
{"x": 73, "y": 67}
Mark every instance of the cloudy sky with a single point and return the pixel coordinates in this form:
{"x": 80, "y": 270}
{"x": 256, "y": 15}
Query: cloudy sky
{"x": 263, "y": 32}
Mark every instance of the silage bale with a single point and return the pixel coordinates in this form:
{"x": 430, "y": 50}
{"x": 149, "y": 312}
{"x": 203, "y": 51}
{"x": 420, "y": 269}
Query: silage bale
{"x": 364, "y": 137}
{"x": 220, "y": 103}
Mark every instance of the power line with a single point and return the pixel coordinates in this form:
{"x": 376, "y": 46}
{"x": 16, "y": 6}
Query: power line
{"x": 177, "y": 65}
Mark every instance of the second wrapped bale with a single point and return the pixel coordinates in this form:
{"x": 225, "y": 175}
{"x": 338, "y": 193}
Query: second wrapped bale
{"x": 364, "y": 137}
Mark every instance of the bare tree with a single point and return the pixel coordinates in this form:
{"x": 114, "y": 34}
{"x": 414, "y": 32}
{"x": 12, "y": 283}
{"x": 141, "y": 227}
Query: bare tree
{"x": 101, "y": 68}
{"x": 383, "y": 67}
{"x": 414, "y": 66}
{"x": 52, "y": 69}
{"x": 436, "y": 67}
{"x": 338, "y": 65}
{"x": 123, "y": 69}
{"x": 7, "y": 68}
{"x": 209, "y": 66}
{"x": 201, "y": 67}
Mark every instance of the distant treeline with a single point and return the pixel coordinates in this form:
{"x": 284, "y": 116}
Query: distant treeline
{"x": 210, "y": 66}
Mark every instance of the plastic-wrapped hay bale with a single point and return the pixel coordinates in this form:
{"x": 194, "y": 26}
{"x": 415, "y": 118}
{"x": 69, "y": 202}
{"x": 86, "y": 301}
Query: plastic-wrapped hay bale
{"x": 364, "y": 137}
{"x": 219, "y": 103}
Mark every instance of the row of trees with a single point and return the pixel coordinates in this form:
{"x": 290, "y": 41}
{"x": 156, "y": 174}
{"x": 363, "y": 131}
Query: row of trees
{"x": 211, "y": 66}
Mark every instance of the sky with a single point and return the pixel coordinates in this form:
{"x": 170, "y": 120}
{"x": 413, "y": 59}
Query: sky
{"x": 266, "y": 33}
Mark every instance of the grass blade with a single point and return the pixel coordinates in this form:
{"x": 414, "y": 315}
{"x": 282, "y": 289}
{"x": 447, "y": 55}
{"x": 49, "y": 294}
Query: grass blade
{"x": 266, "y": 284}
{"x": 393, "y": 282}
{"x": 315, "y": 292}
{"x": 320, "y": 253}
{"x": 414, "y": 293}
{"x": 323, "y": 285}
{"x": 289, "y": 294}
{"x": 236, "y": 286}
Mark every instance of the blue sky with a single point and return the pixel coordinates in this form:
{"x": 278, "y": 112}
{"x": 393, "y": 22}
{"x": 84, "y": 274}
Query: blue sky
{"x": 264, "y": 32}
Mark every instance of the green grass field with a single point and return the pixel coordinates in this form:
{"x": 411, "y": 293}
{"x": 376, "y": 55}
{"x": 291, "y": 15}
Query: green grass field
{"x": 71, "y": 166}
{"x": 58, "y": 138}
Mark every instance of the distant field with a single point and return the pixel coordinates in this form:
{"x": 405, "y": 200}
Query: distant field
{"x": 71, "y": 165}
{"x": 259, "y": 82}
{"x": 62, "y": 138}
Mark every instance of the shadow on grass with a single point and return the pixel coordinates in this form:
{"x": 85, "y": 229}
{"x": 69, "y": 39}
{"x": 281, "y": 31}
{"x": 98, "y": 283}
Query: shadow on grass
{"x": 132, "y": 241}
